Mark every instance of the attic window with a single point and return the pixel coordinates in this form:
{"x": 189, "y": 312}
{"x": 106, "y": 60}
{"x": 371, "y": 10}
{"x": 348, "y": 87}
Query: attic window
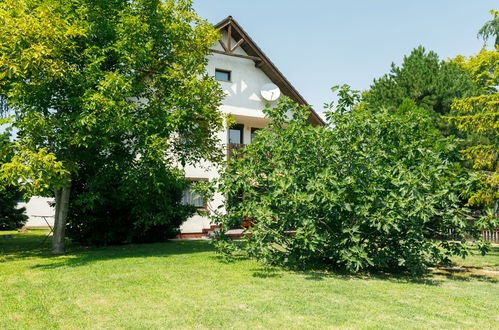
{"x": 222, "y": 75}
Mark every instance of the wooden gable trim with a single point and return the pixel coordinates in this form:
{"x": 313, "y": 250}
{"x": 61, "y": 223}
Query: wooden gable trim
{"x": 254, "y": 58}
{"x": 223, "y": 46}
{"x": 228, "y": 48}
{"x": 243, "y": 40}
{"x": 239, "y": 43}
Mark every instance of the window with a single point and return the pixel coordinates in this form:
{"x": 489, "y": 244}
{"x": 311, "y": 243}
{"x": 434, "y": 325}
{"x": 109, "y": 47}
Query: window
{"x": 253, "y": 131}
{"x": 236, "y": 134}
{"x": 190, "y": 197}
{"x": 222, "y": 75}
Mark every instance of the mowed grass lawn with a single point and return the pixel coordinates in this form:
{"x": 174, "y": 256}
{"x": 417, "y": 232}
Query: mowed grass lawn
{"x": 183, "y": 284}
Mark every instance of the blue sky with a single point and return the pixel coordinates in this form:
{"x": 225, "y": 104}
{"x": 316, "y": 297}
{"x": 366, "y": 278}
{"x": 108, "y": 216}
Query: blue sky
{"x": 320, "y": 43}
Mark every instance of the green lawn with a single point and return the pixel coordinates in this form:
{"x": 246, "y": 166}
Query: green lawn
{"x": 185, "y": 285}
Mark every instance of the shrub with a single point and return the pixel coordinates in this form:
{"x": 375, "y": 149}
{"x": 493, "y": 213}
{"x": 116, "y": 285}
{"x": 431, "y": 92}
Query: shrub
{"x": 374, "y": 190}
{"x": 11, "y": 217}
{"x": 135, "y": 202}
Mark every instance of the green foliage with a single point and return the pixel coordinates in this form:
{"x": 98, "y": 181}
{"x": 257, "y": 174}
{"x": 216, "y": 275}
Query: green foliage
{"x": 25, "y": 167}
{"x": 86, "y": 74}
{"x": 491, "y": 28}
{"x": 348, "y": 98}
{"x": 479, "y": 116}
{"x": 483, "y": 68}
{"x": 123, "y": 203}
{"x": 423, "y": 78}
{"x": 433, "y": 85}
{"x": 91, "y": 78}
{"x": 11, "y": 217}
{"x": 184, "y": 285}
{"x": 375, "y": 190}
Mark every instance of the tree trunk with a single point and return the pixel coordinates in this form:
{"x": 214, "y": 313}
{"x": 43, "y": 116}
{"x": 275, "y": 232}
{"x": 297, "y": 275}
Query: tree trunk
{"x": 58, "y": 193}
{"x": 61, "y": 213}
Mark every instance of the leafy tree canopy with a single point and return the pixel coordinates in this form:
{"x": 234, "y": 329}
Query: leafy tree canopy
{"x": 479, "y": 115}
{"x": 375, "y": 190}
{"x": 491, "y": 28}
{"x": 88, "y": 77}
{"x": 11, "y": 216}
{"x": 483, "y": 68}
{"x": 423, "y": 78}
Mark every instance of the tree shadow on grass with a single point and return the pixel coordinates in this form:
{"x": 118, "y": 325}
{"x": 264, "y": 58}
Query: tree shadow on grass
{"x": 383, "y": 276}
{"x": 436, "y": 276}
{"x": 467, "y": 274}
{"x": 23, "y": 246}
{"x": 228, "y": 260}
{"x": 80, "y": 255}
{"x": 35, "y": 245}
{"x": 433, "y": 278}
{"x": 267, "y": 272}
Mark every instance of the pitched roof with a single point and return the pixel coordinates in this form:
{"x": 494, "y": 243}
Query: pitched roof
{"x": 243, "y": 40}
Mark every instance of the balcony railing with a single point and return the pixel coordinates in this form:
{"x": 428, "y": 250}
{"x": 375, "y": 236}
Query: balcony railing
{"x": 234, "y": 146}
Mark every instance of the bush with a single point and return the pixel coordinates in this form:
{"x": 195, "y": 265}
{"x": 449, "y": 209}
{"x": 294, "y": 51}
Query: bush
{"x": 11, "y": 217}
{"x": 374, "y": 190}
{"x": 129, "y": 203}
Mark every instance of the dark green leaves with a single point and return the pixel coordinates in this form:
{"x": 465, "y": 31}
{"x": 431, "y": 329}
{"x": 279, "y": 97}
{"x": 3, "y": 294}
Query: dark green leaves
{"x": 373, "y": 190}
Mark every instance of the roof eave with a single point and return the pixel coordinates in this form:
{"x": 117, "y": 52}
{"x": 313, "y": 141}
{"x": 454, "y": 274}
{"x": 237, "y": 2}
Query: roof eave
{"x": 277, "y": 75}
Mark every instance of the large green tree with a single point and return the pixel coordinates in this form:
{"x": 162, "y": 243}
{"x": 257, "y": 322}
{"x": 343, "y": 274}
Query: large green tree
{"x": 375, "y": 189}
{"x": 491, "y": 28}
{"x": 425, "y": 79}
{"x": 87, "y": 77}
{"x": 479, "y": 116}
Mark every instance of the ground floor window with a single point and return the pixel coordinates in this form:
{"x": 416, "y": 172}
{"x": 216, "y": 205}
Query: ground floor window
{"x": 190, "y": 197}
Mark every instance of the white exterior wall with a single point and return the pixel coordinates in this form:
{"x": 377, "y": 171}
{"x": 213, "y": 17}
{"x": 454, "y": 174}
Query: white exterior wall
{"x": 244, "y": 102}
{"x": 37, "y": 207}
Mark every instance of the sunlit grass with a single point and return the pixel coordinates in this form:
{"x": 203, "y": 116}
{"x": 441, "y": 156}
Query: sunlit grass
{"x": 183, "y": 284}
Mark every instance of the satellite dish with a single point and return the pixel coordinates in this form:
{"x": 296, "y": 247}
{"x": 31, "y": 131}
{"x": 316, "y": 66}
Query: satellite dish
{"x": 270, "y": 92}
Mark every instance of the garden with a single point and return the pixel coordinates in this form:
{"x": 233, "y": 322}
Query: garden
{"x": 371, "y": 215}
{"x": 186, "y": 284}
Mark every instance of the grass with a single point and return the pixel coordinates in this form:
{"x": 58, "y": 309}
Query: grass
{"x": 183, "y": 284}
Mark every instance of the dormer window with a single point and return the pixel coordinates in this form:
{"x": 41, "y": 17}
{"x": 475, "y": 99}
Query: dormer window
{"x": 222, "y": 75}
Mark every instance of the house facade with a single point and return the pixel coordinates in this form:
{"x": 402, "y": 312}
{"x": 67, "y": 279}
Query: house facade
{"x": 242, "y": 70}
{"x": 39, "y": 210}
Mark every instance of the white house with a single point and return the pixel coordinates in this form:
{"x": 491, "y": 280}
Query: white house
{"x": 243, "y": 70}
{"x": 39, "y": 210}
